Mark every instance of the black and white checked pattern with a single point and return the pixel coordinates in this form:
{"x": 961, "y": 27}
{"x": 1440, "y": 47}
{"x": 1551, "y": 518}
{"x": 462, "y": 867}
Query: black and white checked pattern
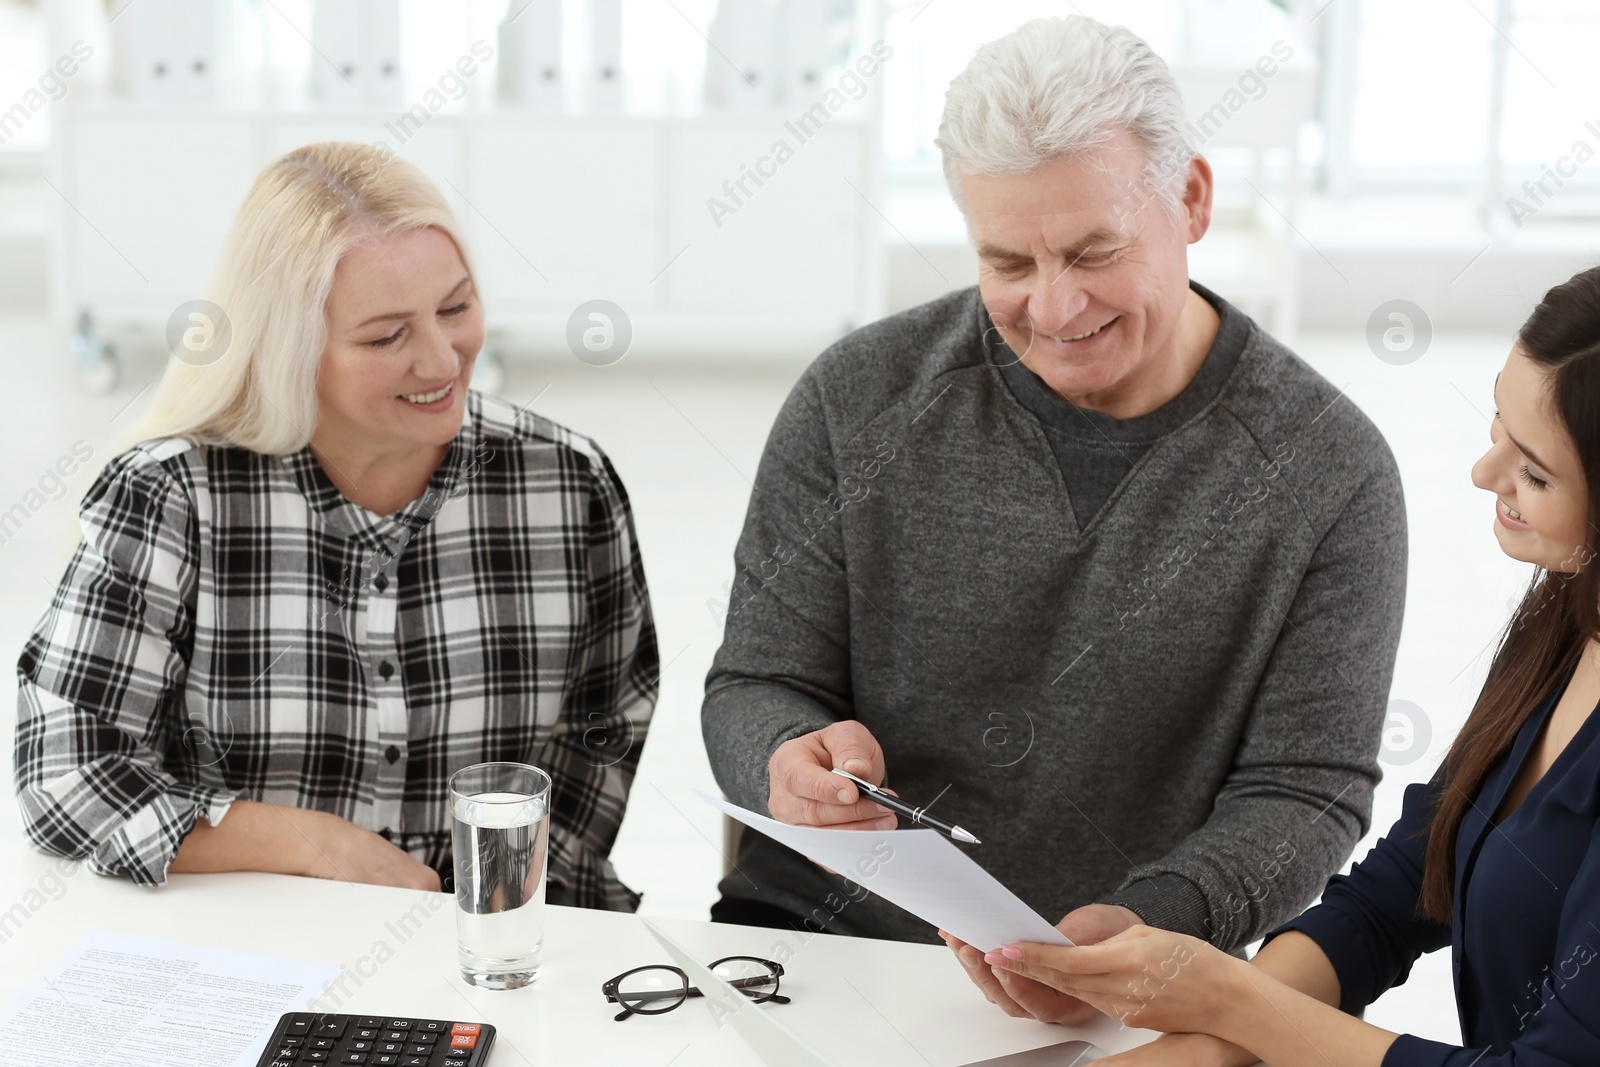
{"x": 233, "y": 626}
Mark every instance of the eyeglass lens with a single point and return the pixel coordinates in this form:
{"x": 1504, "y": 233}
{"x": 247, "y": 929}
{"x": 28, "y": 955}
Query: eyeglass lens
{"x": 652, "y": 990}
{"x": 751, "y": 977}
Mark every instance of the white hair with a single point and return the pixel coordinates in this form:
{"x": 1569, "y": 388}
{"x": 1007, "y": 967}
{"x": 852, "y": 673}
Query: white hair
{"x": 304, "y": 212}
{"x": 1064, "y": 86}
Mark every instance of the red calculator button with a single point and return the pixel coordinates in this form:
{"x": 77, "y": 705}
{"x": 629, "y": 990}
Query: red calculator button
{"x": 464, "y": 1041}
{"x": 466, "y": 1028}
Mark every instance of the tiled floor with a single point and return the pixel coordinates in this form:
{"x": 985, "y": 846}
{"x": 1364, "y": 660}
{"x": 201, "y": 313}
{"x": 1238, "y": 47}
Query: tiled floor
{"x": 686, "y": 440}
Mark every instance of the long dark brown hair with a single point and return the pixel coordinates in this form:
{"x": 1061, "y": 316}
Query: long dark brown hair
{"x": 1560, "y": 613}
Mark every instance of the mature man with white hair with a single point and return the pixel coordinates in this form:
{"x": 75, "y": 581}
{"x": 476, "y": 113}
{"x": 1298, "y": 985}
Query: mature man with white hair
{"x": 1080, "y": 555}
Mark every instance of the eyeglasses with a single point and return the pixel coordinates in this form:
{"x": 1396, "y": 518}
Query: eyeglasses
{"x": 658, "y": 989}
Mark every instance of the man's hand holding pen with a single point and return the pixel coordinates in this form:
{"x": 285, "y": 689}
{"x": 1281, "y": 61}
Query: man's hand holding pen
{"x": 803, "y": 791}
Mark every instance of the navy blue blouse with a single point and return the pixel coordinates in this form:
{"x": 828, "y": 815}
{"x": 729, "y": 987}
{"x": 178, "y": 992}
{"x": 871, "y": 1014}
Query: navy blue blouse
{"x": 1526, "y": 925}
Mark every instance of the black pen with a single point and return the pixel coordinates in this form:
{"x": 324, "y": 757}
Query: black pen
{"x": 919, "y": 816}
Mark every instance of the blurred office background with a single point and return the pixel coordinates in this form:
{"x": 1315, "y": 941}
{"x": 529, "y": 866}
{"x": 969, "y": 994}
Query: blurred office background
{"x": 1398, "y": 184}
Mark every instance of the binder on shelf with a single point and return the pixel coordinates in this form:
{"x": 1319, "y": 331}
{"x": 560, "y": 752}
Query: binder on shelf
{"x": 356, "y": 53}
{"x": 802, "y": 56}
{"x": 741, "y": 68}
{"x": 165, "y": 51}
{"x": 530, "y": 73}
{"x": 603, "y": 75}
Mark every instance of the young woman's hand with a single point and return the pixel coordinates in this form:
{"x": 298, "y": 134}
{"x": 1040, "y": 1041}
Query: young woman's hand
{"x": 1018, "y": 997}
{"x": 1143, "y": 977}
{"x": 1024, "y": 998}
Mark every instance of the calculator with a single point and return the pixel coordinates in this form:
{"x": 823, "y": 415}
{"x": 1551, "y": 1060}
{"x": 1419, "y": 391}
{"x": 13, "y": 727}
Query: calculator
{"x": 302, "y": 1038}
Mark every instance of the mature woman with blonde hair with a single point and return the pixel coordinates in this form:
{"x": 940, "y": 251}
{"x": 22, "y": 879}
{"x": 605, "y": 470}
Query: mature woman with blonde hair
{"x": 329, "y": 576}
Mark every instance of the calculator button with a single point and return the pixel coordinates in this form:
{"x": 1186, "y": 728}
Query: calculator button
{"x": 367, "y": 1033}
{"x": 316, "y": 1056}
{"x": 358, "y": 1046}
{"x": 432, "y": 1026}
{"x": 399, "y": 1024}
{"x": 298, "y": 1028}
{"x": 414, "y": 1061}
{"x": 465, "y": 1028}
{"x": 396, "y": 1035}
{"x": 391, "y": 1046}
{"x": 464, "y": 1041}
{"x": 320, "y": 1042}
{"x": 386, "y": 1060}
{"x": 354, "y": 1057}
{"x": 330, "y": 1026}
{"x": 425, "y": 1039}
{"x": 370, "y": 1022}
{"x": 419, "y": 1050}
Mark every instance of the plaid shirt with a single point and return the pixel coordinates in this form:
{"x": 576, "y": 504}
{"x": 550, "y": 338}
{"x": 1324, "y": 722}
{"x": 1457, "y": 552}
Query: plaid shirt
{"x": 233, "y": 626}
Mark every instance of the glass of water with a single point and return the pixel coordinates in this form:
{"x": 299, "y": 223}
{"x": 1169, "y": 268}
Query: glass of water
{"x": 501, "y": 833}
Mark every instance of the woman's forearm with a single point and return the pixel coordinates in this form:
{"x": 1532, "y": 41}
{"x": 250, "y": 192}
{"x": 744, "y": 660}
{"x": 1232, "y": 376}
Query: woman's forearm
{"x": 252, "y": 836}
{"x": 1284, "y": 1010}
{"x": 1299, "y": 963}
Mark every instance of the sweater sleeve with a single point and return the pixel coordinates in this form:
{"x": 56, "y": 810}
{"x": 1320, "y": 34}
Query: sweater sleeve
{"x": 1298, "y": 795}
{"x": 101, "y": 685}
{"x": 784, "y": 666}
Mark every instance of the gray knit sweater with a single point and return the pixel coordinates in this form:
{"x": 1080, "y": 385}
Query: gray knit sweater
{"x": 1175, "y": 708}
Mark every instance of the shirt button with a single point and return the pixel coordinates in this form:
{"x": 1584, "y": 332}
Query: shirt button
{"x": 392, "y": 754}
{"x": 385, "y": 833}
{"x": 381, "y": 582}
{"x": 386, "y": 670}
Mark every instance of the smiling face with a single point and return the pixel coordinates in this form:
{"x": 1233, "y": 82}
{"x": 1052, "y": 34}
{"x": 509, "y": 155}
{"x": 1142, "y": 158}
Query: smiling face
{"x": 1532, "y": 468}
{"x": 404, "y": 328}
{"x": 1083, "y": 270}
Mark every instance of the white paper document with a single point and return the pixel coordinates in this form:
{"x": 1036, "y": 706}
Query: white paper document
{"x": 920, "y": 871}
{"x": 115, "y": 1000}
{"x": 775, "y": 1043}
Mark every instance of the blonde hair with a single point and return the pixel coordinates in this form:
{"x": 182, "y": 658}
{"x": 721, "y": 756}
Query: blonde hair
{"x": 304, "y": 212}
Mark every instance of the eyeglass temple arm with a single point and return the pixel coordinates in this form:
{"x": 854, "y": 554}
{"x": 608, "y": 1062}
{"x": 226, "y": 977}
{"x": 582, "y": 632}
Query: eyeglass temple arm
{"x": 776, "y": 998}
{"x": 647, "y": 995}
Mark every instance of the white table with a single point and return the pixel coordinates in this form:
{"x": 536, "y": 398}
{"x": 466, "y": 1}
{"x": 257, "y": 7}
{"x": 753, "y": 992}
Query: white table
{"x": 859, "y": 1001}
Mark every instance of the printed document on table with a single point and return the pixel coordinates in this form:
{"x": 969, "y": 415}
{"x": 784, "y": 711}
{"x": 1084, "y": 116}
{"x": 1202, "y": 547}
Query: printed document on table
{"x": 919, "y": 870}
{"x": 115, "y": 1000}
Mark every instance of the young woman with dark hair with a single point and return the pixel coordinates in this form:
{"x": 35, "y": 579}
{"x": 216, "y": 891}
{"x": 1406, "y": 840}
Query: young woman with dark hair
{"x": 1498, "y": 856}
